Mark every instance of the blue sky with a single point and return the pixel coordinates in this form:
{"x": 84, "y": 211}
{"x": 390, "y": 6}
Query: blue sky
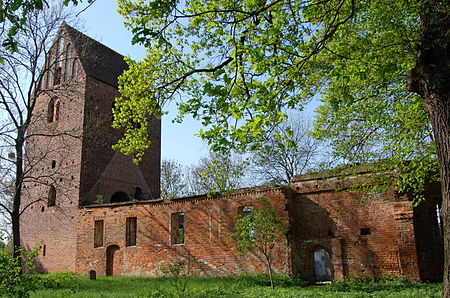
{"x": 103, "y": 23}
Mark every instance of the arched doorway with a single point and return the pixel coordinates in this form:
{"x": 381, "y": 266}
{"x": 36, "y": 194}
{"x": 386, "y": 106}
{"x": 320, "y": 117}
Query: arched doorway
{"x": 113, "y": 260}
{"x": 119, "y": 197}
{"x": 138, "y": 195}
{"x": 322, "y": 265}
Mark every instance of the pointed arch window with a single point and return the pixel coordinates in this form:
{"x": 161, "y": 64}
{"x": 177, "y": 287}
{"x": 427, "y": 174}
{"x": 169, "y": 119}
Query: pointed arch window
{"x": 53, "y": 110}
{"x": 67, "y": 62}
{"x": 57, "y": 78}
{"x": 59, "y": 46}
{"x": 48, "y": 73}
{"x": 51, "y": 196}
{"x": 74, "y": 68}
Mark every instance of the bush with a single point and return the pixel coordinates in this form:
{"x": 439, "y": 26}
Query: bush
{"x": 14, "y": 283}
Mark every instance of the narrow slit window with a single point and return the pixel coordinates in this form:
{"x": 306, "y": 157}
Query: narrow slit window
{"x": 365, "y": 231}
{"x": 57, "y": 78}
{"x": 98, "y": 233}
{"x": 67, "y": 62}
{"x": 177, "y": 228}
{"x": 74, "y": 69}
{"x": 131, "y": 231}
{"x": 51, "y": 196}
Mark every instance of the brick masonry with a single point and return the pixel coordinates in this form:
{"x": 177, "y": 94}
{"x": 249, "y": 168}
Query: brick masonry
{"x": 363, "y": 234}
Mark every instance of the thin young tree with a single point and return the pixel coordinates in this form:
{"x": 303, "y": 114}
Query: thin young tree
{"x": 260, "y": 230}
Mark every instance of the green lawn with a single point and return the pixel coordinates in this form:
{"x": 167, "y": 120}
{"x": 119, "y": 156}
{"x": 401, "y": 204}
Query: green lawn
{"x": 70, "y": 285}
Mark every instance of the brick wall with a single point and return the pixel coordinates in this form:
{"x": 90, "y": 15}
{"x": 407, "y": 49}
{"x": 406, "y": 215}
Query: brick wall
{"x": 208, "y": 222}
{"x": 366, "y": 234}
{"x": 360, "y": 231}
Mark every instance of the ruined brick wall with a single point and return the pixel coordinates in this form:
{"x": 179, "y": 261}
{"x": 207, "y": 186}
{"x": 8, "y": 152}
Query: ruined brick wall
{"x": 366, "y": 234}
{"x": 208, "y": 222}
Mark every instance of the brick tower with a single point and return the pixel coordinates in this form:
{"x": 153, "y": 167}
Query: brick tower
{"x": 70, "y": 162}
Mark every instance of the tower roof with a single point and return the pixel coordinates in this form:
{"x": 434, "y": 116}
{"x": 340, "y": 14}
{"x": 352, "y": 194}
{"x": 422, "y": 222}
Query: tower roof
{"x": 97, "y": 60}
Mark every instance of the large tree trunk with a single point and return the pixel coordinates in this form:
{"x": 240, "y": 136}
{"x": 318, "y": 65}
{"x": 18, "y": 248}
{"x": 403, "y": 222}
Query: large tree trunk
{"x": 431, "y": 79}
{"x": 15, "y": 214}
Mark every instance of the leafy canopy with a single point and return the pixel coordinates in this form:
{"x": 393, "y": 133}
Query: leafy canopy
{"x": 238, "y": 66}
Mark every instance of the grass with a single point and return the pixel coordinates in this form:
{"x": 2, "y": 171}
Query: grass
{"x": 70, "y": 285}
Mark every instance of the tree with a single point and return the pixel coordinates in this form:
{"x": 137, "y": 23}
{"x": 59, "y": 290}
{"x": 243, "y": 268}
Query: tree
{"x": 13, "y": 16}
{"x": 21, "y": 74}
{"x": 260, "y": 230}
{"x": 240, "y": 64}
{"x": 217, "y": 173}
{"x": 287, "y": 151}
{"x": 173, "y": 181}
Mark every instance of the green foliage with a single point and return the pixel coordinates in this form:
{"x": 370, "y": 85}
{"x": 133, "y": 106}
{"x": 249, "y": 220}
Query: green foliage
{"x": 14, "y": 283}
{"x": 260, "y": 231}
{"x": 240, "y": 65}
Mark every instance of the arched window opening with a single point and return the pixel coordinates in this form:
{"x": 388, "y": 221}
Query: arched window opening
{"x": 53, "y": 110}
{"x": 67, "y": 64}
{"x": 74, "y": 69}
{"x": 56, "y": 110}
{"x": 119, "y": 197}
{"x": 322, "y": 265}
{"x": 48, "y": 79}
{"x": 59, "y": 46}
{"x": 57, "y": 79}
{"x": 138, "y": 195}
{"x": 53, "y": 164}
{"x": 51, "y": 196}
{"x": 50, "y": 110}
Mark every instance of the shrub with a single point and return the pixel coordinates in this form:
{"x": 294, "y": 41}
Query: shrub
{"x": 13, "y": 282}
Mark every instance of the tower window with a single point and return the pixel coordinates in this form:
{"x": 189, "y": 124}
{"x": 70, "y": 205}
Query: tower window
{"x": 57, "y": 79}
{"x": 131, "y": 231}
{"x": 51, "y": 196}
{"x": 74, "y": 69}
{"x": 59, "y": 46}
{"x": 48, "y": 81}
{"x": 67, "y": 62}
{"x": 98, "y": 233}
{"x": 53, "y": 110}
{"x": 177, "y": 230}
{"x": 53, "y": 164}
{"x": 138, "y": 195}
